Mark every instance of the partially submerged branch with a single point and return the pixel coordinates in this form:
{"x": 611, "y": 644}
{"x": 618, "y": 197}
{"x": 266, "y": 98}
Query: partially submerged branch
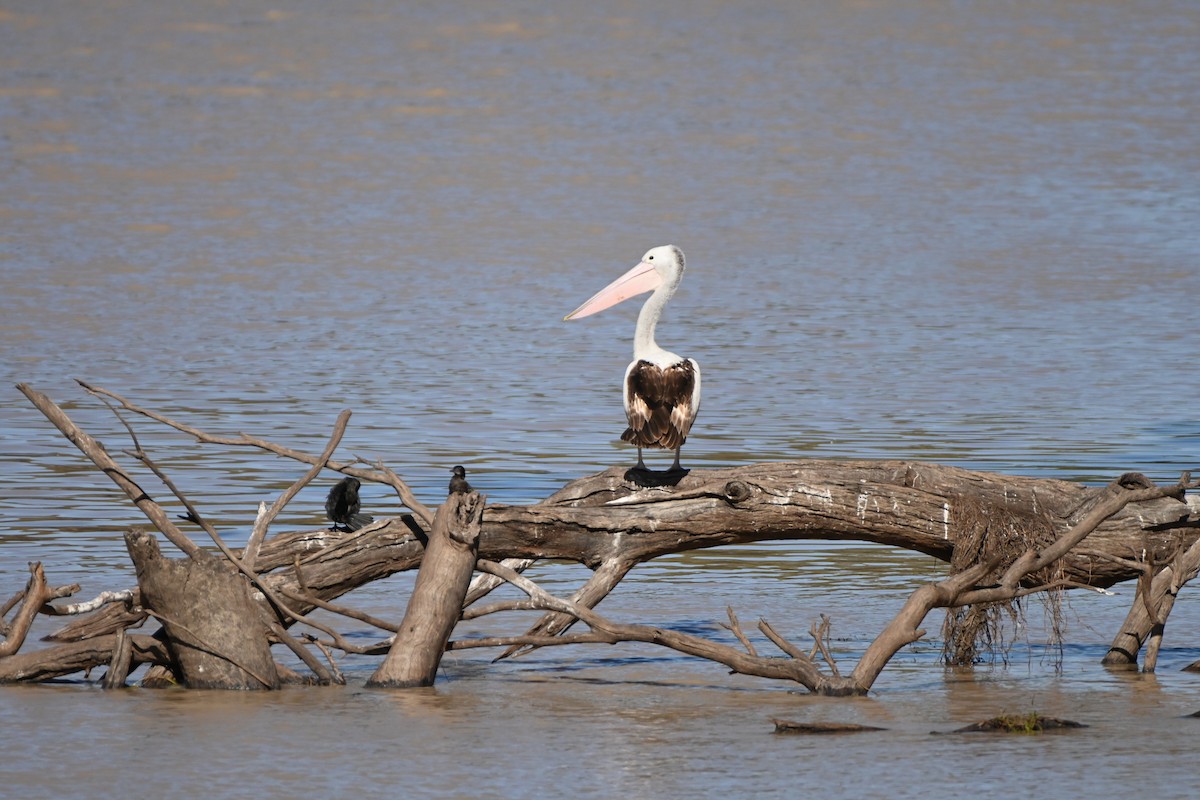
{"x": 799, "y": 669}
{"x": 37, "y": 592}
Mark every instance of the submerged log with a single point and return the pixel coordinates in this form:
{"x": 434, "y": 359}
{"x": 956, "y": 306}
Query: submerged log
{"x": 824, "y": 728}
{"x": 68, "y": 659}
{"x": 608, "y": 520}
{"x": 1023, "y": 724}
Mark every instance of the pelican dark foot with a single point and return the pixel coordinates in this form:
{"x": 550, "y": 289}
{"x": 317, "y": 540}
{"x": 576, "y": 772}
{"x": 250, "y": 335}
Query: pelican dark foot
{"x": 640, "y": 476}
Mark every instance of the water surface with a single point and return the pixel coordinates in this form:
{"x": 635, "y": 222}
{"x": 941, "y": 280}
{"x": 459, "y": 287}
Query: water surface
{"x": 956, "y": 232}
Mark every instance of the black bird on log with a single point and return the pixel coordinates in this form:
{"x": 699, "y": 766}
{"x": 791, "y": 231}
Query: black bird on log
{"x": 458, "y": 484}
{"x": 342, "y": 505}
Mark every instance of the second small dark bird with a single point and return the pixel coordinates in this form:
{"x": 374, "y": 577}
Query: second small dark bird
{"x": 342, "y": 505}
{"x": 458, "y": 484}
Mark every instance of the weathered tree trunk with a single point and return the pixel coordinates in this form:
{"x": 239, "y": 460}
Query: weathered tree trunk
{"x": 914, "y": 505}
{"x": 437, "y": 596}
{"x": 214, "y": 630}
{"x": 603, "y": 519}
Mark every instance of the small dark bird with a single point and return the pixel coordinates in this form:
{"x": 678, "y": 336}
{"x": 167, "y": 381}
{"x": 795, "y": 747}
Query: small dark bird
{"x": 458, "y": 484}
{"x": 342, "y": 505}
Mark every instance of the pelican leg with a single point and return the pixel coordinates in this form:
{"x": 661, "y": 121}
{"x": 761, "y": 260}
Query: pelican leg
{"x": 641, "y": 464}
{"x": 676, "y": 467}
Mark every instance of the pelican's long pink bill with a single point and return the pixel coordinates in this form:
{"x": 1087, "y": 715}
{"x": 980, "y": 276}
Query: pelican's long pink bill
{"x": 642, "y": 278}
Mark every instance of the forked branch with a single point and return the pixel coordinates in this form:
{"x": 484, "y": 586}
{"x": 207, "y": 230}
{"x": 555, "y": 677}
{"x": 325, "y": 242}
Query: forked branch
{"x": 380, "y": 474}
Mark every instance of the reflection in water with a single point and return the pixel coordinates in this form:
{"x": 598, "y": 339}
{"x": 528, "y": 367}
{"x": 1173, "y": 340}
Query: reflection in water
{"x": 960, "y": 233}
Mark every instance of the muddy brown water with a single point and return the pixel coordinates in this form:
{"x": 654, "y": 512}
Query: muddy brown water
{"x": 957, "y": 232}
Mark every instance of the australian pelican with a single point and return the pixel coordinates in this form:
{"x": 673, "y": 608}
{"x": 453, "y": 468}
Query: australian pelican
{"x": 662, "y": 390}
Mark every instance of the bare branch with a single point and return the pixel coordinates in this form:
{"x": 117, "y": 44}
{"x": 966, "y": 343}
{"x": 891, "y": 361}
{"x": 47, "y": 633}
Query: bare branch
{"x": 592, "y": 637}
{"x": 1133, "y": 565}
{"x": 604, "y": 579}
{"x": 250, "y": 551}
{"x": 306, "y": 595}
{"x": 311, "y": 661}
{"x": 338, "y": 677}
{"x": 422, "y": 512}
{"x": 475, "y": 612}
{"x": 820, "y": 635}
{"x": 380, "y": 475}
{"x": 10, "y": 604}
{"x": 800, "y": 669}
{"x": 36, "y": 593}
{"x": 734, "y": 627}
{"x": 94, "y": 450}
{"x": 780, "y": 642}
{"x": 483, "y": 584}
{"x": 87, "y": 606}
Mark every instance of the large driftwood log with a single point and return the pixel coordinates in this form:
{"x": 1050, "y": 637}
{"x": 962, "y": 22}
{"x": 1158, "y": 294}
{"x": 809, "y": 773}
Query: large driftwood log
{"x": 1001, "y": 574}
{"x": 1018, "y": 535}
{"x": 607, "y": 518}
{"x": 603, "y": 518}
{"x": 917, "y": 506}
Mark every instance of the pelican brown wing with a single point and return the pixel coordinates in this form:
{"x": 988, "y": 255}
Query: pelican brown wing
{"x": 659, "y": 403}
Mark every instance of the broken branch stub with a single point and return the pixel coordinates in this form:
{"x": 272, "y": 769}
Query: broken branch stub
{"x": 437, "y": 596}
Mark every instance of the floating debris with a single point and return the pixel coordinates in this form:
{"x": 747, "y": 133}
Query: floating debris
{"x": 786, "y": 726}
{"x": 1025, "y": 724}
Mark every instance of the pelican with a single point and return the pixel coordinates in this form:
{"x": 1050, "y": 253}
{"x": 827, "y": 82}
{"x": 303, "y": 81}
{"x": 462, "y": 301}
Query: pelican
{"x": 662, "y": 390}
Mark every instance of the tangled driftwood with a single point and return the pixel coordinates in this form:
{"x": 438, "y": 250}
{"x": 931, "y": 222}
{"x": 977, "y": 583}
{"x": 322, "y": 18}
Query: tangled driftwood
{"x": 1024, "y": 535}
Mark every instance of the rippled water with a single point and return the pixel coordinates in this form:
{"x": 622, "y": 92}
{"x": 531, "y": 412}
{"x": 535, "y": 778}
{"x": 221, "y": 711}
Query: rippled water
{"x": 957, "y": 232}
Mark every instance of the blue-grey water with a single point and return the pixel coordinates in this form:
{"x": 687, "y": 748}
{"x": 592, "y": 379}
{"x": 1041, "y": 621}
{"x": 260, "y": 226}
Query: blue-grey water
{"x": 961, "y": 232}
